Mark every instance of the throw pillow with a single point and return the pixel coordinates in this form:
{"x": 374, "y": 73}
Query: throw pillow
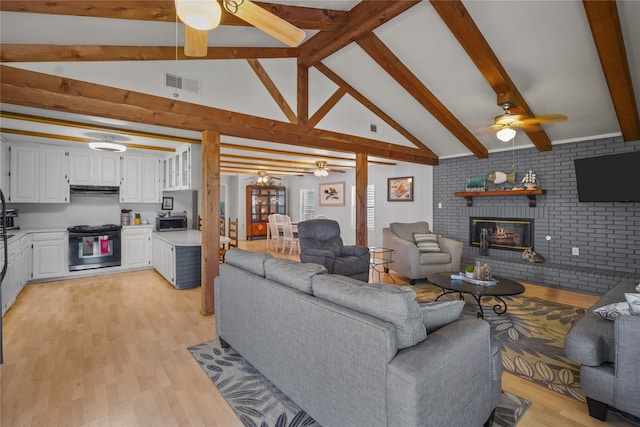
{"x": 612, "y": 311}
{"x": 634, "y": 303}
{"x": 439, "y": 313}
{"x": 426, "y": 242}
{"x": 638, "y": 288}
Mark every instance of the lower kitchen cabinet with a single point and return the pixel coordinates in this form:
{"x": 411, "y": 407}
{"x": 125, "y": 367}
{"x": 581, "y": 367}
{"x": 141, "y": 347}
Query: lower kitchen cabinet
{"x": 50, "y": 255}
{"x": 18, "y": 271}
{"x": 163, "y": 259}
{"x": 136, "y": 246}
{"x": 177, "y": 256}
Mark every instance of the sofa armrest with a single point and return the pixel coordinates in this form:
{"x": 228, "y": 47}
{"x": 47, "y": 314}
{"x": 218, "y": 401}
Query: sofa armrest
{"x": 453, "y": 363}
{"x": 354, "y": 250}
{"x": 627, "y": 374}
{"x": 453, "y": 248}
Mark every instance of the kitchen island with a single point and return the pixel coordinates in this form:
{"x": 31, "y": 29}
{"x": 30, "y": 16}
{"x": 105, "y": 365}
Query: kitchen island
{"x": 177, "y": 256}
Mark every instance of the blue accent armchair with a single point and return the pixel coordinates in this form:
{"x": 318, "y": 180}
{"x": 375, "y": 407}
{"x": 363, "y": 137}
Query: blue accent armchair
{"x": 320, "y": 243}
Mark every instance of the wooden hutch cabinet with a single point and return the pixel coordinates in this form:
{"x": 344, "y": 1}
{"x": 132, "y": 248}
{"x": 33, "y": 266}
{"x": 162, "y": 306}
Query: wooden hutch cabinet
{"x": 262, "y": 201}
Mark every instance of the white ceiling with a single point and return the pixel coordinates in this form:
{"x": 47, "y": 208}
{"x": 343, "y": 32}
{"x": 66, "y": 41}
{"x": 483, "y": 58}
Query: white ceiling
{"x": 546, "y": 48}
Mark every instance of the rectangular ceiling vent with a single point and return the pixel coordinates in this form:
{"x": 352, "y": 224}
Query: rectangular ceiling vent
{"x": 182, "y": 83}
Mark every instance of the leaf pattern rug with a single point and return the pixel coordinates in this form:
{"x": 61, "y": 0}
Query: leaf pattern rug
{"x": 531, "y": 334}
{"x": 259, "y": 403}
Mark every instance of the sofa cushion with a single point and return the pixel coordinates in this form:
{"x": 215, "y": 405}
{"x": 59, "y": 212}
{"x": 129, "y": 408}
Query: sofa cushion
{"x": 292, "y": 273}
{"x": 439, "y": 313}
{"x": 426, "y": 242}
{"x": 405, "y": 230}
{"x": 394, "y": 304}
{"x": 250, "y": 261}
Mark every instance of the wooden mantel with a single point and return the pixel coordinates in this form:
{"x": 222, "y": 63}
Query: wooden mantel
{"x": 531, "y": 195}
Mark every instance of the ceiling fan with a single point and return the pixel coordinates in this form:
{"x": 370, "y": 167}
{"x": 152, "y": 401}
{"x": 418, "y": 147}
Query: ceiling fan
{"x": 200, "y": 16}
{"x": 322, "y": 169}
{"x": 506, "y": 123}
{"x": 264, "y": 179}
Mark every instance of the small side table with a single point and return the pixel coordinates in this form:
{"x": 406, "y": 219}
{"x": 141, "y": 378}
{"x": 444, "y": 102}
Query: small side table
{"x": 379, "y": 260}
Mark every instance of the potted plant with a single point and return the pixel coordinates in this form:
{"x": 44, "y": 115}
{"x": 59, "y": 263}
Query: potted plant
{"x": 469, "y": 271}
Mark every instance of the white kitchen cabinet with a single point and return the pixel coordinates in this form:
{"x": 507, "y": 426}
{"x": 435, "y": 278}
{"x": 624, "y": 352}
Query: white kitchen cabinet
{"x": 183, "y": 169}
{"x": 136, "y": 246}
{"x": 50, "y": 254}
{"x": 140, "y": 181}
{"x": 18, "y": 270}
{"x": 151, "y": 192}
{"x": 26, "y": 253}
{"x": 88, "y": 167}
{"x": 38, "y": 175}
{"x": 163, "y": 259}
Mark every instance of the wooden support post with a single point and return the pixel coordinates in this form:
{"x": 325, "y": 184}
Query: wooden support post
{"x": 362, "y": 178}
{"x": 210, "y": 215}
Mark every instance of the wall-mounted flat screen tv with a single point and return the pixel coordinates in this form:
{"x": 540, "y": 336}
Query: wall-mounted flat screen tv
{"x": 613, "y": 178}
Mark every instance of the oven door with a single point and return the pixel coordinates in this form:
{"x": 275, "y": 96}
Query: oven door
{"x": 94, "y": 250}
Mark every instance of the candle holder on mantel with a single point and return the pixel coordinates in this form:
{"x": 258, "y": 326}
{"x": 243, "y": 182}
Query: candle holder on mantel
{"x": 484, "y": 242}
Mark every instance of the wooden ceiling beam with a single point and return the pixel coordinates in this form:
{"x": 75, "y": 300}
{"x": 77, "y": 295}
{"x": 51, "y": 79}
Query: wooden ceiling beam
{"x": 465, "y": 30}
{"x": 164, "y": 11}
{"x": 363, "y": 18}
{"x": 607, "y": 36}
{"x": 72, "y": 53}
{"x": 380, "y": 53}
{"x": 28, "y": 88}
{"x": 271, "y": 87}
{"x": 373, "y": 108}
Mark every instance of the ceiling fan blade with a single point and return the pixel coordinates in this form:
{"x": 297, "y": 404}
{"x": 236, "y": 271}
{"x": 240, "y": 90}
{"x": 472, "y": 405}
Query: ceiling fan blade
{"x": 271, "y": 24}
{"x": 542, "y": 119}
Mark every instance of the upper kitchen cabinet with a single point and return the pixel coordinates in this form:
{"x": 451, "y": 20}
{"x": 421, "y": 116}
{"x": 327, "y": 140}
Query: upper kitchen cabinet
{"x": 38, "y": 175}
{"x": 182, "y": 170}
{"x": 140, "y": 181}
{"x": 88, "y": 167}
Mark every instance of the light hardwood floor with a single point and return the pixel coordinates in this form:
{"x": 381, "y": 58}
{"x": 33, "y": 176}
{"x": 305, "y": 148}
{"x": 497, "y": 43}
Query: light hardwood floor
{"x": 112, "y": 351}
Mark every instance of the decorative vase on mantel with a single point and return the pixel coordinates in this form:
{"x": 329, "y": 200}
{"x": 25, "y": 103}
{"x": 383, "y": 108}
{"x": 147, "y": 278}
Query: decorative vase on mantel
{"x": 484, "y": 242}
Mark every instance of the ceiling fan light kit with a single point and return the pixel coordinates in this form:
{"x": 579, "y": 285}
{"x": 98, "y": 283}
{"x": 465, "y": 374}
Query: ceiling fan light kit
{"x": 506, "y": 134}
{"x": 107, "y": 146}
{"x": 203, "y": 15}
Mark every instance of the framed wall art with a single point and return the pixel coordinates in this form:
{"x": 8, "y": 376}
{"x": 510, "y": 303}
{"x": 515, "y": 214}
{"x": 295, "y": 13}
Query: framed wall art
{"x": 332, "y": 194}
{"x": 400, "y": 189}
{"x": 167, "y": 203}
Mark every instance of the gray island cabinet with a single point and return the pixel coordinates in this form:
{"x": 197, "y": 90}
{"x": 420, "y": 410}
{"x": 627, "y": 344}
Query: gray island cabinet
{"x": 176, "y": 255}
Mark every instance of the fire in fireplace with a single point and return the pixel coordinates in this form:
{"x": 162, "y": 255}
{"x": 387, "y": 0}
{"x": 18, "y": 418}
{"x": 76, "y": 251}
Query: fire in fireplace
{"x": 512, "y": 234}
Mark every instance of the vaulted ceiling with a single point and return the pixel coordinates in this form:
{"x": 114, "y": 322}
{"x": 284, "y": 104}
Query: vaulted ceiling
{"x": 410, "y": 81}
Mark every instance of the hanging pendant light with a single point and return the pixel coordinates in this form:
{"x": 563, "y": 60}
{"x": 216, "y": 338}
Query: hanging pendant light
{"x": 199, "y": 16}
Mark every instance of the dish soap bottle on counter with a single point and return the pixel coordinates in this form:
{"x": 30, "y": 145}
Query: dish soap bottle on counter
{"x": 137, "y": 221}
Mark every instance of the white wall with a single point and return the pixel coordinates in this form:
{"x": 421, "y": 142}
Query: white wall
{"x": 421, "y": 209}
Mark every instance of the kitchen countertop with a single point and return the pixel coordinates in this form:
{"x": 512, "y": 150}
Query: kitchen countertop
{"x": 184, "y": 237}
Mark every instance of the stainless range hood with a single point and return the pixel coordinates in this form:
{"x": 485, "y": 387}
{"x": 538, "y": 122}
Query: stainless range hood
{"x": 94, "y": 190}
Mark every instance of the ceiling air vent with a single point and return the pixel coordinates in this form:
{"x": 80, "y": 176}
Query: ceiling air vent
{"x": 182, "y": 83}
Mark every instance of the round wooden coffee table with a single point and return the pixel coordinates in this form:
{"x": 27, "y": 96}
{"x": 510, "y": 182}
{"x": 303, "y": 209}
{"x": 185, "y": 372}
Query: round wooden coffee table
{"x": 504, "y": 287}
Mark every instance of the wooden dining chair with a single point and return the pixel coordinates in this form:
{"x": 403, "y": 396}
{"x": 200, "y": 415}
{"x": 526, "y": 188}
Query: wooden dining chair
{"x": 223, "y": 247}
{"x": 288, "y": 238}
{"x": 233, "y": 233}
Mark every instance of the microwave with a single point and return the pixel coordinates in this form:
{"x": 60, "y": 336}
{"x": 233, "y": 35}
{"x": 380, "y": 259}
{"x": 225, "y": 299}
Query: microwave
{"x": 171, "y": 223}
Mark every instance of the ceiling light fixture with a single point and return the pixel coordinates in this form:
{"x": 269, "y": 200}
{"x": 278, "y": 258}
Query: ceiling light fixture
{"x": 321, "y": 169}
{"x": 203, "y": 15}
{"x": 107, "y": 146}
{"x": 506, "y": 134}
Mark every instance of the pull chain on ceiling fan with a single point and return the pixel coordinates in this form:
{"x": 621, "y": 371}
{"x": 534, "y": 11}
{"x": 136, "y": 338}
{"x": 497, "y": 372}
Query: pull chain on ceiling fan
{"x": 200, "y": 16}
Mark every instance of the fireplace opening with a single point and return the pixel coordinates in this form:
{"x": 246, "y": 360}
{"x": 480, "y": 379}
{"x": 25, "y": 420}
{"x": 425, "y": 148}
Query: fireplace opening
{"x": 512, "y": 234}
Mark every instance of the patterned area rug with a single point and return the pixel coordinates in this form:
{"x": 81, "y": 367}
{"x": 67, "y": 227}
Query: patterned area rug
{"x": 258, "y": 403}
{"x": 531, "y": 334}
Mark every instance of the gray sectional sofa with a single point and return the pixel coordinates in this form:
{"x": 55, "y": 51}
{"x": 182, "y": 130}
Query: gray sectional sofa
{"x": 352, "y": 353}
{"x": 609, "y": 354}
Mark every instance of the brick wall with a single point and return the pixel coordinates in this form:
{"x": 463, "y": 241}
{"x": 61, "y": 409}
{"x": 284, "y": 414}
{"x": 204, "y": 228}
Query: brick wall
{"x": 607, "y": 234}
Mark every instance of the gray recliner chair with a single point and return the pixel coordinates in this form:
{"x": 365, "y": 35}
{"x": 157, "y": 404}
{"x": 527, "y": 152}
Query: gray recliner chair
{"x": 320, "y": 243}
